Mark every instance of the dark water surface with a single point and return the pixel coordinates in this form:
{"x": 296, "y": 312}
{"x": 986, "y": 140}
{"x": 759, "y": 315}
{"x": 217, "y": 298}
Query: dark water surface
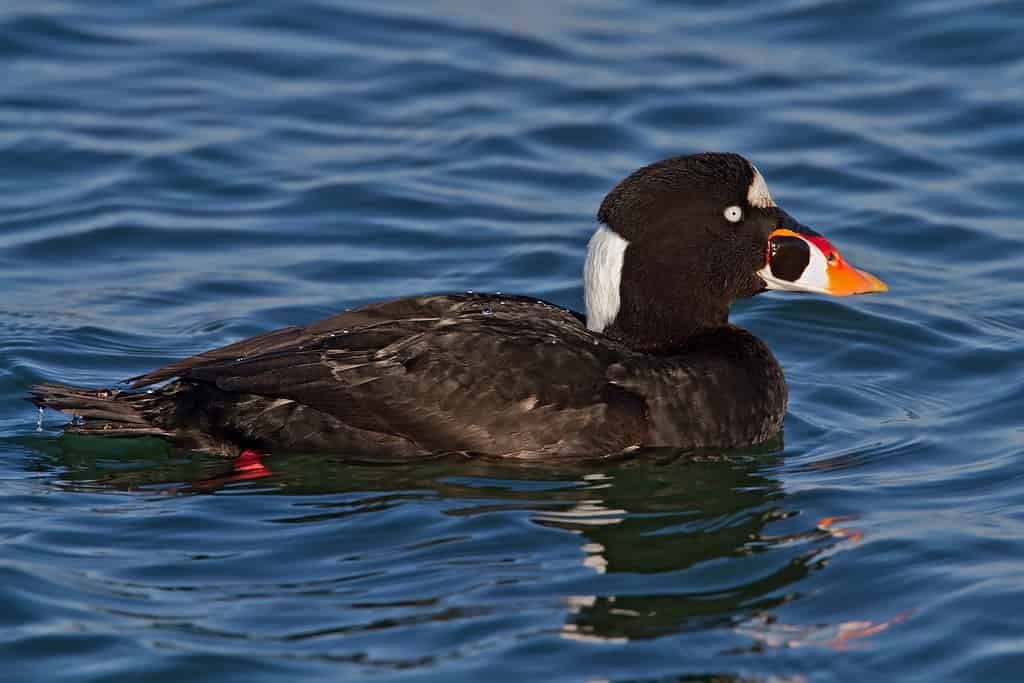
{"x": 176, "y": 175}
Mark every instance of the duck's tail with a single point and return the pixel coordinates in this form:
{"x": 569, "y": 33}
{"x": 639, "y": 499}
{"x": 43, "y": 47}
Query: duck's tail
{"x": 101, "y": 412}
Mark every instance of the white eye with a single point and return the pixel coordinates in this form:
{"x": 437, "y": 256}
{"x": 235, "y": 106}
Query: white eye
{"x": 733, "y": 214}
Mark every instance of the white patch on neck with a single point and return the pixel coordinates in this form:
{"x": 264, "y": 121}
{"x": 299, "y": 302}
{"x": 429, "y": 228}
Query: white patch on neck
{"x": 602, "y": 275}
{"x": 757, "y": 193}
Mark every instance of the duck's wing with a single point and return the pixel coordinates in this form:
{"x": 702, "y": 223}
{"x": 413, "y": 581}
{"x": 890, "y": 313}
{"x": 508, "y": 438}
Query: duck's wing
{"x": 379, "y": 323}
{"x": 494, "y": 375}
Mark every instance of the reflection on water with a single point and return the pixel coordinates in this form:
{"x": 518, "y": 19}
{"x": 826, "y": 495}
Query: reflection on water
{"x": 672, "y": 542}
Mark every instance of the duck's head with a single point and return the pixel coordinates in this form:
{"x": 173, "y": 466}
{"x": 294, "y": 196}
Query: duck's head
{"x": 680, "y": 240}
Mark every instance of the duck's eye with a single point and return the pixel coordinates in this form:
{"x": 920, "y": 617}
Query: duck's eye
{"x": 734, "y": 214}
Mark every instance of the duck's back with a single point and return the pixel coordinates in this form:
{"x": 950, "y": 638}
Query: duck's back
{"x": 476, "y": 373}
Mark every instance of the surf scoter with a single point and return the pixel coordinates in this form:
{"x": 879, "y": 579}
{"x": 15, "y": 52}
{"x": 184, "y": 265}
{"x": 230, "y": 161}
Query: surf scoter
{"x": 654, "y": 362}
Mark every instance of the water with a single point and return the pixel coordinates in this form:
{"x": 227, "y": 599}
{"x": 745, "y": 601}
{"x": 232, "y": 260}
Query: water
{"x": 178, "y": 175}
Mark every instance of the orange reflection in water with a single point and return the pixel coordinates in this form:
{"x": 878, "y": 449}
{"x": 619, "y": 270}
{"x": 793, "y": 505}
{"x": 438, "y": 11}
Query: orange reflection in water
{"x": 828, "y": 524}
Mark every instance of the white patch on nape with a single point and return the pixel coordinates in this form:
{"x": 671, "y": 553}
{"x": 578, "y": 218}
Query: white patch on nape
{"x": 602, "y": 275}
{"x": 757, "y": 193}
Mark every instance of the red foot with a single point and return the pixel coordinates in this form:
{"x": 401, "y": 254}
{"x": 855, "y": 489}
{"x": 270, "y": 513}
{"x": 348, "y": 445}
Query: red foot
{"x": 246, "y": 466}
{"x": 249, "y": 461}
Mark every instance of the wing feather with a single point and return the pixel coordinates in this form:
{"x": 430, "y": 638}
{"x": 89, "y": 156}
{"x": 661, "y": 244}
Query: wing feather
{"x": 411, "y": 368}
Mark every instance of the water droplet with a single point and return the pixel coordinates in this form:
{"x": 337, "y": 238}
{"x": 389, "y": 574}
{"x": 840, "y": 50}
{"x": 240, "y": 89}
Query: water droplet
{"x": 469, "y": 291}
{"x": 502, "y": 302}
{"x": 345, "y": 331}
{"x": 488, "y": 311}
{"x": 39, "y": 420}
{"x": 498, "y": 292}
{"x": 241, "y": 358}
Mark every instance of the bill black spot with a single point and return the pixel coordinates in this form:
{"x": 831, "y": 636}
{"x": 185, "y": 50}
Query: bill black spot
{"x": 788, "y": 257}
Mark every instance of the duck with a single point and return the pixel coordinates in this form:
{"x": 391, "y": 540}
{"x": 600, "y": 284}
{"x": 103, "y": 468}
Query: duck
{"x": 653, "y": 362}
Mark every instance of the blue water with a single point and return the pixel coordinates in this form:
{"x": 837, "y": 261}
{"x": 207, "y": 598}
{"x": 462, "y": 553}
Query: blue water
{"x": 177, "y": 175}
